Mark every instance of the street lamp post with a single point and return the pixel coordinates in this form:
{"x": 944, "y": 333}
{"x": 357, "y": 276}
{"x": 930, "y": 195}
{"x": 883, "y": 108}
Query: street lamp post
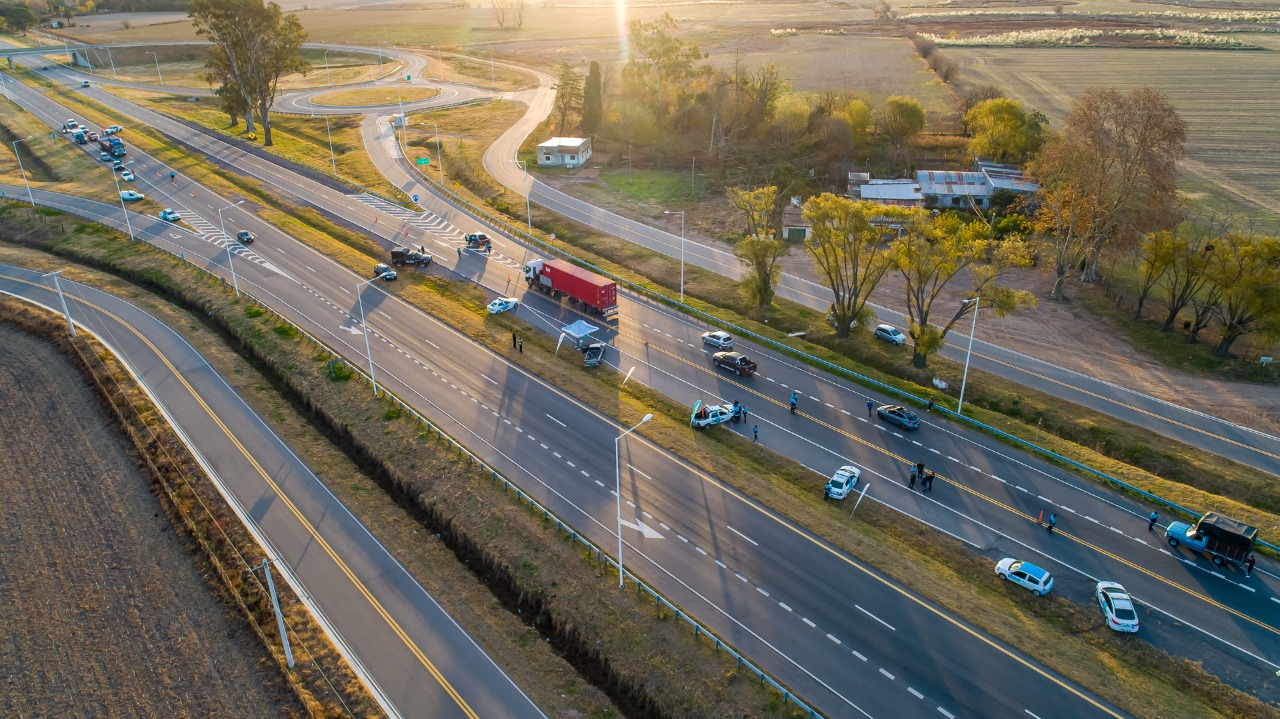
{"x": 681, "y": 213}
{"x": 332, "y": 159}
{"x": 157, "y": 57}
{"x": 493, "y": 81}
{"x": 116, "y": 176}
{"x": 63, "y": 300}
{"x": 528, "y": 190}
{"x": 234, "y": 282}
{"x": 327, "y": 74}
{"x": 439, "y": 157}
{"x": 617, "y": 454}
{"x": 365, "y": 328}
{"x": 965, "y": 378}
{"x": 23, "y": 171}
{"x": 113, "y": 65}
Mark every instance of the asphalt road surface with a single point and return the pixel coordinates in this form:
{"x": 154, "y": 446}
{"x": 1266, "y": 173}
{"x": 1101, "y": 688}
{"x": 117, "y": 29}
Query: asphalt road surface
{"x": 416, "y": 659}
{"x": 799, "y": 585}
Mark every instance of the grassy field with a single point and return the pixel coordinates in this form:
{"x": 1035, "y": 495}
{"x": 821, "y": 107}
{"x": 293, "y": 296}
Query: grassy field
{"x": 465, "y": 133}
{"x": 374, "y": 96}
{"x": 98, "y": 585}
{"x": 1229, "y": 100}
{"x": 183, "y": 66}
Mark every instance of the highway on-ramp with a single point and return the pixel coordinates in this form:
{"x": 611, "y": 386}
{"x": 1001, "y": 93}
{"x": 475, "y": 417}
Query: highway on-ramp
{"x": 415, "y": 658}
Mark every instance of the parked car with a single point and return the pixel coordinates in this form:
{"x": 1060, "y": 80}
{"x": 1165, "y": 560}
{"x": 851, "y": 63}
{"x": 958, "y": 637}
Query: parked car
{"x": 718, "y": 339}
{"x": 245, "y": 237}
{"x": 1117, "y": 607}
{"x": 842, "y": 482}
{"x": 502, "y": 304}
{"x": 84, "y": 83}
{"x": 93, "y": 137}
{"x": 1025, "y": 574}
{"x": 384, "y": 272}
{"x": 890, "y": 334}
{"x": 127, "y": 175}
{"x": 105, "y": 157}
{"x": 170, "y": 215}
{"x": 130, "y": 195}
{"x": 593, "y": 354}
{"x": 117, "y": 166}
{"x": 44, "y": 67}
{"x": 72, "y": 125}
{"x": 113, "y": 130}
{"x": 899, "y": 415}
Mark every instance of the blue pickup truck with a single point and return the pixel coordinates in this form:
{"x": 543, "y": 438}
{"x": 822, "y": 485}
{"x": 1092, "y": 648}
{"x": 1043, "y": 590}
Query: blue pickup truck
{"x": 1224, "y": 540}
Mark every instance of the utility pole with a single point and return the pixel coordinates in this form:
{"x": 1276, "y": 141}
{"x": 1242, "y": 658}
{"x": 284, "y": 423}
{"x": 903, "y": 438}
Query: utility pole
{"x": 58, "y": 286}
{"x": 275, "y": 602}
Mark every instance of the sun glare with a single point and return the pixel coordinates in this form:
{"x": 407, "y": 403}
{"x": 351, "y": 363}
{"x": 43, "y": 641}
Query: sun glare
{"x": 621, "y": 12}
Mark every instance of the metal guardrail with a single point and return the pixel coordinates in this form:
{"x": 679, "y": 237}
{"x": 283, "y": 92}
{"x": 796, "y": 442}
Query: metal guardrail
{"x": 501, "y": 225}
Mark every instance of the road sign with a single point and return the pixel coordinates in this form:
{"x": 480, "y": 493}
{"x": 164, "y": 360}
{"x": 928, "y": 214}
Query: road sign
{"x": 415, "y": 198}
{"x": 424, "y": 160}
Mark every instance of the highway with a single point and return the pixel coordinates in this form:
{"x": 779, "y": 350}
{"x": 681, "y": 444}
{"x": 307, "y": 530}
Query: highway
{"x": 417, "y": 661}
{"x": 883, "y": 464}
{"x": 961, "y": 671}
{"x": 1243, "y": 444}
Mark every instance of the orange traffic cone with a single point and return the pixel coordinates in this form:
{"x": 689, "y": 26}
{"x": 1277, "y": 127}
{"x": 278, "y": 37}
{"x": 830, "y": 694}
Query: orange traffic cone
{"x": 1040, "y": 519}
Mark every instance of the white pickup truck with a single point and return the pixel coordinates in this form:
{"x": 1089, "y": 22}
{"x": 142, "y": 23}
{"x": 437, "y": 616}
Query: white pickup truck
{"x": 707, "y": 415}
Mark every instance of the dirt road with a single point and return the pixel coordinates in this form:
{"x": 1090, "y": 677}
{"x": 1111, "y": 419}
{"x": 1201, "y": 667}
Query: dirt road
{"x": 105, "y": 613}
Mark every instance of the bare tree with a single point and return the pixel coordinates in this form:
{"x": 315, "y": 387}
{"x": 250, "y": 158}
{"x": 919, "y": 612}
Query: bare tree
{"x": 517, "y": 12}
{"x": 500, "y": 10}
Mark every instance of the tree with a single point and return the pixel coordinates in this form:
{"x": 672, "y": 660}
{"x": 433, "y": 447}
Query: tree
{"x": 1156, "y": 258}
{"x": 935, "y": 251}
{"x": 500, "y": 10}
{"x": 592, "y": 100}
{"x": 1185, "y": 252}
{"x": 846, "y": 251}
{"x": 1248, "y": 273}
{"x": 229, "y": 95}
{"x": 1004, "y": 131}
{"x": 568, "y": 95}
{"x": 900, "y": 119}
{"x": 759, "y": 250}
{"x": 975, "y": 94}
{"x": 19, "y": 18}
{"x": 255, "y": 45}
{"x": 517, "y": 12}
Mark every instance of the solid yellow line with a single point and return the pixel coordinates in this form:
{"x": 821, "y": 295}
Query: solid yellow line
{"x": 395, "y": 627}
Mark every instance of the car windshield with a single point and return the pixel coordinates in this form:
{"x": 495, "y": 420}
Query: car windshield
{"x": 1126, "y": 615}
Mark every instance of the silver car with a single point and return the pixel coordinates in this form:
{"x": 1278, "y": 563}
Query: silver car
{"x": 890, "y": 334}
{"x": 719, "y": 339}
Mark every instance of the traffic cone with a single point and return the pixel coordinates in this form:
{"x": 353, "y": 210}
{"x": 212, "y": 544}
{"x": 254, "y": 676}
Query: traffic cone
{"x": 1040, "y": 519}
{"x": 646, "y": 340}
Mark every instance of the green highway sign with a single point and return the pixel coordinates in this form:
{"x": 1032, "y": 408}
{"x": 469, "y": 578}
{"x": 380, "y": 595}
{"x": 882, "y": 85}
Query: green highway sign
{"x": 424, "y": 160}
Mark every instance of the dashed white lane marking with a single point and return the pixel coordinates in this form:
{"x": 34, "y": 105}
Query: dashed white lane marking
{"x": 916, "y": 443}
{"x": 784, "y": 606}
{"x": 599, "y": 483}
{"x": 344, "y": 289}
{"x": 642, "y": 474}
{"x": 1043, "y": 498}
{"x": 772, "y": 380}
{"x": 557, "y": 455}
{"x": 553, "y": 419}
{"x": 584, "y": 473}
{"x": 721, "y": 564}
{"x": 949, "y": 715}
{"x": 996, "y": 478}
{"x": 681, "y": 538}
{"x": 1219, "y": 576}
{"x": 518, "y": 429}
{"x": 856, "y": 654}
{"x": 846, "y": 412}
{"x": 1091, "y": 519}
{"x": 571, "y": 464}
{"x": 701, "y": 551}
{"x": 833, "y": 638}
{"x": 762, "y": 591}
{"x": 1028, "y": 711}
{"x": 540, "y": 444}
{"x": 646, "y": 514}
{"x": 886, "y": 673}
{"x": 931, "y": 449}
{"x": 489, "y": 379}
{"x": 832, "y": 406}
{"x": 806, "y": 620}
{"x": 1117, "y": 531}
{"x": 1065, "y": 508}
{"x": 895, "y": 434}
{"x": 1277, "y": 601}
{"x": 739, "y": 576}
{"x": 979, "y": 471}
{"x": 312, "y": 269}
{"x": 953, "y": 459}
{"x": 878, "y": 619}
{"x": 506, "y": 421}
{"x": 631, "y": 504}
{"x": 1021, "y": 488}
{"x": 740, "y": 534}
{"x": 915, "y": 693}
{"x": 281, "y": 251}
{"x": 433, "y": 344}
{"x": 664, "y": 526}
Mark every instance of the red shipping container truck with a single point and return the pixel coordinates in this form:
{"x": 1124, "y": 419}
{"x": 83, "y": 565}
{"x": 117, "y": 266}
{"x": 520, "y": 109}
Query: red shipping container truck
{"x": 557, "y": 277}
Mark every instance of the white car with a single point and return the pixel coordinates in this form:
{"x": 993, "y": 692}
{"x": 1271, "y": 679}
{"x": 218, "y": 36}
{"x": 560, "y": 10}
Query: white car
{"x": 719, "y": 339}
{"x": 1025, "y": 574}
{"x": 72, "y": 125}
{"x": 129, "y": 195}
{"x": 170, "y": 215}
{"x": 890, "y": 334}
{"x": 503, "y": 304}
{"x": 113, "y": 130}
{"x": 127, "y": 175}
{"x": 1117, "y": 607}
{"x": 842, "y": 482}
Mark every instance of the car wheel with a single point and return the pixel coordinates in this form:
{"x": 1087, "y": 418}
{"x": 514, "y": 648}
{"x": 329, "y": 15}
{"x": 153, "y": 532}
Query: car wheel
{"x": 1037, "y": 592}
{"x": 1218, "y": 560}
{"x": 1002, "y": 575}
{"x": 1173, "y": 542}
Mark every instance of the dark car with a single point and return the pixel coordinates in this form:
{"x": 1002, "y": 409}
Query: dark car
{"x": 899, "y": 415}
{"x": 244, "y": 237}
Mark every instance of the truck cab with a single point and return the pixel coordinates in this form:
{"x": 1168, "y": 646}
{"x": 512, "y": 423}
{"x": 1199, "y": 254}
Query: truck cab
{"x": 1222, "y": 539}
{"x": 734, "y": 361}
{"x": 707, "y": 415}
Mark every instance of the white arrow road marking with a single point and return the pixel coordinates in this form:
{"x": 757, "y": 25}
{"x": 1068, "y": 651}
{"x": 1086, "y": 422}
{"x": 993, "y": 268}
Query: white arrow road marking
{"x": 646, "y": 530}
{"x": 352, "y": 329}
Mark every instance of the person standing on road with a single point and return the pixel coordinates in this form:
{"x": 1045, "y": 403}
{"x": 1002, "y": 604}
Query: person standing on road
{"x": 1248, "y": 566}
{"x": 911, "y": 483}
{"x": 459, "y": 253}
{"x": 1053, "y": 522}
{"x": 930, "y": 407}
{"x": 521, "y": 346}
{"x": 513, "y": 340}
{"x": 920, "y": 468}
{"x": 870, "y": 407}
{"x": 927, "y": 484}
{"x": 755, "y": 433}
{"x": 1151, "y": 521}
{"x": 795, "y": 398}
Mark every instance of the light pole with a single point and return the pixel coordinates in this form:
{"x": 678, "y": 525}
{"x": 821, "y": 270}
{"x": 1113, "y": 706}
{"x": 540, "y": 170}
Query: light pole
{"x": 328, "y": 74}
{"x": 965, "y": 378}
{"x": 113, "y": 65}
{"x": 439, "y": 157}
{"x": 58, "y": 286}
{"x": 157, "y": 57}
{"x": 528, "y": 190}
{"x": 332, "y": 159}
{"x": 365, "y": 328}
{"x": 24, "y": 172}
{"x": 681, "y": 213}
{"x": 617, "y": 454}
{"x": 493, "y": 81}
{"x": 116, "y": 176}
{"x": 234, "y": 282}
